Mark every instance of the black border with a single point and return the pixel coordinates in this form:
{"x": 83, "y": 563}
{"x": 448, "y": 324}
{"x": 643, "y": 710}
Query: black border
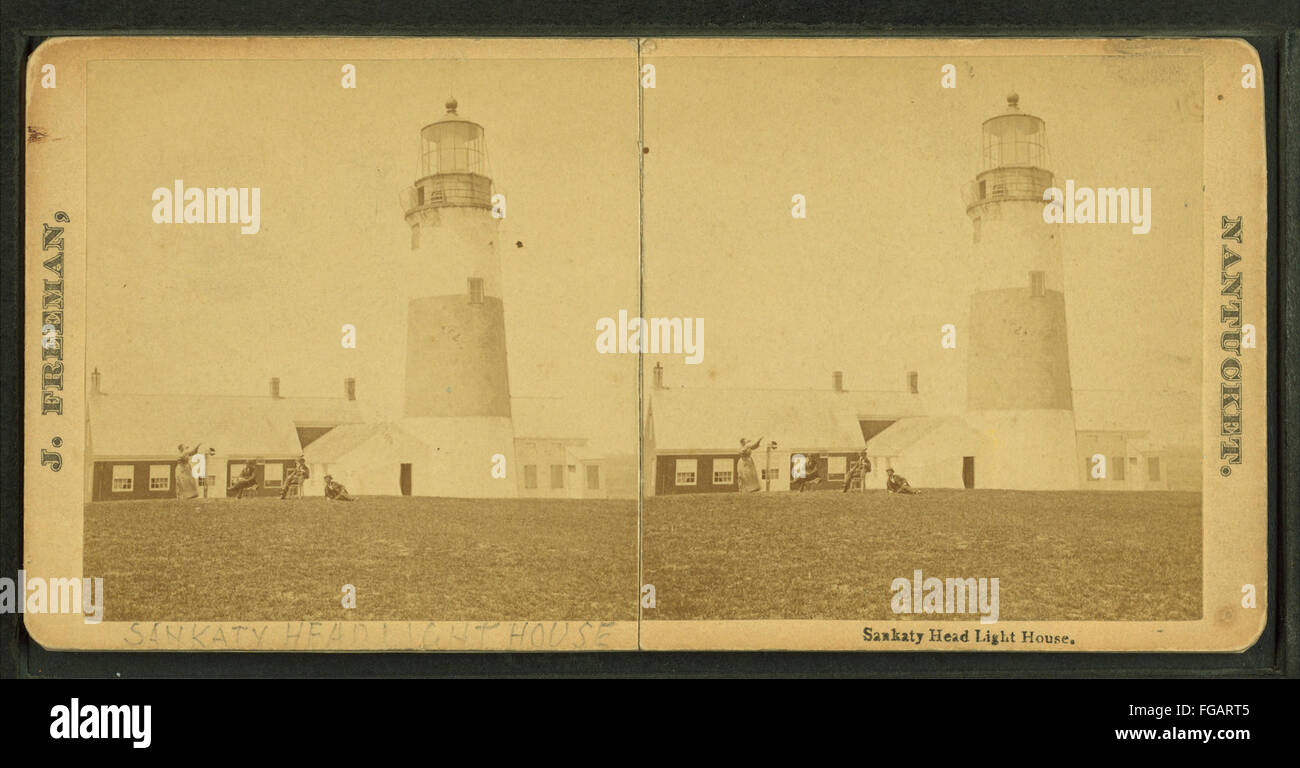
{"x": 1271, "y": 26}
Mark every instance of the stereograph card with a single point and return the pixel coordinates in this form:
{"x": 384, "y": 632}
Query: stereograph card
{"x": 613, "y": 344}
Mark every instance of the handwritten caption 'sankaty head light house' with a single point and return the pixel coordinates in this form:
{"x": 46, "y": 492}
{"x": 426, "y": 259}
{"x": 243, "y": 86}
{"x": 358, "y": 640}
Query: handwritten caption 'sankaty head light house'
{"x": 209, "y": 205}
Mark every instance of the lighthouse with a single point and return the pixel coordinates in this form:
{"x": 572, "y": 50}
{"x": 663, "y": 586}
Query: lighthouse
{"x": 1018, "y": 388}
{"x": 456, "y": 340}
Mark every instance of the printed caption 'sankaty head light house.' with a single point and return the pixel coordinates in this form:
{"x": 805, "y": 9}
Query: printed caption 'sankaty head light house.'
{"x": 1017, "y": 355}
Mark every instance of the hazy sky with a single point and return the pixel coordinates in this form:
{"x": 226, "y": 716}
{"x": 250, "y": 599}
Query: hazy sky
{"x": 882, "y": 154}
{"x": 203, "y": 308}
{"x": 862, "y": 285}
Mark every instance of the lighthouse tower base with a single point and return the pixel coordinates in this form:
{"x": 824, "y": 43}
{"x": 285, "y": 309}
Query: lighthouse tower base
{"x": 1028, "y": 450}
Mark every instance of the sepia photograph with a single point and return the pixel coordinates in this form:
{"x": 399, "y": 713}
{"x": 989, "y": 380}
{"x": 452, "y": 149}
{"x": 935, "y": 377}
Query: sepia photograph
{"x": 367, "y": 347}
{"x": 337, "y": 344}
{"x": 647, "y": 344}
{"x": 955, "y": 342}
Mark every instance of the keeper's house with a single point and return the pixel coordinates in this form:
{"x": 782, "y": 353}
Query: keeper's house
{"x": 692, "y": 441}
{"x": 692, "y": 436}
{"x": 957, "y": 451}
{"x": 532, "y": 454}
{"x": 553, "y": 460}
{"x": 131, "y": 439}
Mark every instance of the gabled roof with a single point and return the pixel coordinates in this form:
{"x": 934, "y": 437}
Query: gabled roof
{"x": 414, "y": 438}
{"x": 716, "y": 419}
{"x": 153, "y": 425}
{"x": 346, "y": 439}
{"x": 904, "y": 433}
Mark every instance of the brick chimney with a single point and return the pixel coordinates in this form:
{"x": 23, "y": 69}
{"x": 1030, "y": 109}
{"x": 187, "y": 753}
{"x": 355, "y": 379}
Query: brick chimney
{"x": 837, "y": 381}
{"x": 350, "y": 388}
{"x": 275, "y": 386}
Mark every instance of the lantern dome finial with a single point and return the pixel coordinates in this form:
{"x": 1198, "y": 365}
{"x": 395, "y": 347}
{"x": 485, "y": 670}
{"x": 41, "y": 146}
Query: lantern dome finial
{"x": 451, "y": 105}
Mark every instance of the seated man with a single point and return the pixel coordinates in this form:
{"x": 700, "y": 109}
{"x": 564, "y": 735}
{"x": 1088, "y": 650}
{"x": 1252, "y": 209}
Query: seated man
{"x": 293, "y": 483}
{"x": 246, "y": 481}
{"x": 336, "y": 491}
{"x": 858, "y": 471}
{"x": 898, "y": 484}
{"x": 812, "y": 474}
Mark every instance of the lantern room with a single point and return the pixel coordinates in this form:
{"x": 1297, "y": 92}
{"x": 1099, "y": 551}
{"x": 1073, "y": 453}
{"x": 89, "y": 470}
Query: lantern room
{"x": 1014, "y": 139}
{"x": 452, "y": 145}
{"x": 453, "y": 165}
{"x": 1013, "y": 159}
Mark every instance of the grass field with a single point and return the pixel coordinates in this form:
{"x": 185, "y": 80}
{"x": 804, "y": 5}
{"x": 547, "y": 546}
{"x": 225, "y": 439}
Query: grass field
{"x": 409, "y": 559}
{"x": 827, "y": 555}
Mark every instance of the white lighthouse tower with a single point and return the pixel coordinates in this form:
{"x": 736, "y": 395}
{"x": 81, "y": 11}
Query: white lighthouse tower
{"x": 1018, "y": 364}
{"x": 456, "y": 338}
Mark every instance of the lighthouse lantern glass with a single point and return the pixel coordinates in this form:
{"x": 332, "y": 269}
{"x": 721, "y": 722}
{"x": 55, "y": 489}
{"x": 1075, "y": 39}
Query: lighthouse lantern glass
{"x": 1014, "y": 140}
{"x": 452, "y": 146}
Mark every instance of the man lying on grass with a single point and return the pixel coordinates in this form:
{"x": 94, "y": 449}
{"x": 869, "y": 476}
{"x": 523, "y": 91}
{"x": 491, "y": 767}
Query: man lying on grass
{"x": 335, "y": 491}
{"x": 898, "y": 484}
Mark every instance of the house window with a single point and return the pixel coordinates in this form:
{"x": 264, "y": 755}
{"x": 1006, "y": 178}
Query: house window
{"x": 593, "y": 477}
{"x": 1087, "y": 470}
{"x": 835, "y": 467}
{"x": 557, "y": 475}
{"x": 273, "y": 475}
{"x": 1153, "y": 467}
{"x": 123, "y": 477}
{"x": 724, "y": 471}
{"x": 686, "y": 471}
{"x": 530, "y": 475}
{"x": 160, "y": 477}
{"x": 1037, "y": 286}
{"x": 476, "y": 290}
{"x": 770, "y": 474}
{"x": 913, "y": 382}
{"x": 415, "y": 236}
{"x": 1117, "y": 468}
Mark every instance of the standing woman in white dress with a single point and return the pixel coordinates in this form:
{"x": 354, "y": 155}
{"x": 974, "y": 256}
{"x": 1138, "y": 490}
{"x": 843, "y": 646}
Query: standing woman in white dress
{"x": 186, "y": 487}
{"x": 746, "y": 474}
